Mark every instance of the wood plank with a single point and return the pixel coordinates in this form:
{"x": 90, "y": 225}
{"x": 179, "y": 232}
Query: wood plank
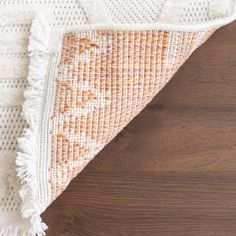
{"x": 128, "y": 203}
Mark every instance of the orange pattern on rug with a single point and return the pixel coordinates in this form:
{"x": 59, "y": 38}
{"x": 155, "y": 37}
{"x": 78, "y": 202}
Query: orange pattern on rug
{"x": 104, "y": 79}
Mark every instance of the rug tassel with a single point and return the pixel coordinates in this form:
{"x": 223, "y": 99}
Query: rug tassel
{"x": 32, "y": 108}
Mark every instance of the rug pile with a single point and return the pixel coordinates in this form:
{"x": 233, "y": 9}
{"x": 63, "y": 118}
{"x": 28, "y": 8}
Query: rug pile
{"x": 73, "y": 74}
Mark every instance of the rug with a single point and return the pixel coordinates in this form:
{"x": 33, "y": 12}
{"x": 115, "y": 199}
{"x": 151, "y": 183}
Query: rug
{"x": 73, "y": 74}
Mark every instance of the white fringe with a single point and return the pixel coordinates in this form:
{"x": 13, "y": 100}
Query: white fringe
{"x": 96, "y": 11}
{"x": 27, "y": 156}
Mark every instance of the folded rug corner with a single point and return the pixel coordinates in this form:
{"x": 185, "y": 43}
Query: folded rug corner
{"x": 71, "y": 80}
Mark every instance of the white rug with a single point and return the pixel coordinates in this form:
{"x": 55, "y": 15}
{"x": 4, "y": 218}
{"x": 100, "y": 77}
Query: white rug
{"x": 72, "y": 75}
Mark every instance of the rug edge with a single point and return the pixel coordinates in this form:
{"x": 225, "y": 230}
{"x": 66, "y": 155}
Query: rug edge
{"x": 26, "y": 160}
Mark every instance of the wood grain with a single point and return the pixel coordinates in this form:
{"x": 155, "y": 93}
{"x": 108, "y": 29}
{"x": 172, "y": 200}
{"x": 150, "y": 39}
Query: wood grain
{"x": 172, "y": 170}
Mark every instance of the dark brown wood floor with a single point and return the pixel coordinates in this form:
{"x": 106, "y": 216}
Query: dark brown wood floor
{"x": 172, "y": 170}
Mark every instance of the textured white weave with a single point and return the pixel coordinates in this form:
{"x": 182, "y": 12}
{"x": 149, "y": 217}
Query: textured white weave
{"x": 16, "y": 17}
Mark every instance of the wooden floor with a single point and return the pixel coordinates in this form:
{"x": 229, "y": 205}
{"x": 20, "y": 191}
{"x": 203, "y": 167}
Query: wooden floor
{"x": 172, "y": 170}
